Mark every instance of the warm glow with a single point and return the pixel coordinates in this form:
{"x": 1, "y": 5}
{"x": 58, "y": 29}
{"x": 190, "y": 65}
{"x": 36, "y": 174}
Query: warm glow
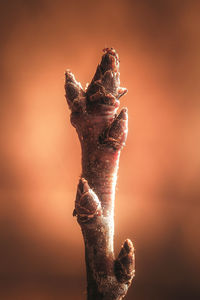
{"x": 158, "y": 190}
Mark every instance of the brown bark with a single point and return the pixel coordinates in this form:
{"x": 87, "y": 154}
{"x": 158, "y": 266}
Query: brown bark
{"x": 102, "y": 135}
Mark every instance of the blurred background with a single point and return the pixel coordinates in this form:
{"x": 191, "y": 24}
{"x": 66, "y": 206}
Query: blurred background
{"x": 158, "y": 190}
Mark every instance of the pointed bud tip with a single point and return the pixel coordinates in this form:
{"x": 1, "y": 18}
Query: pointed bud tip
{"x": 110, "y": 60}
{"x": 125, "y": 263}
{"x": 121, "y": 92}
{"x": 123, "y": 113}
{"x": 87, "y": 204}
{"x": 128, "y": 246}
{"x": 83, "y": 185}
{"x": 69, "y": 75}
{"x": 111, "y": 51}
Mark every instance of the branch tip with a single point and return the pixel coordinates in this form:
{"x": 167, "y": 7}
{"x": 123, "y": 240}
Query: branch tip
{"x": 105, "y": 85}
{"x": 110, "y": 60}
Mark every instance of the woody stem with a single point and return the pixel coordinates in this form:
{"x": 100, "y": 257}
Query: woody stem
{"x": 102, "y": 134}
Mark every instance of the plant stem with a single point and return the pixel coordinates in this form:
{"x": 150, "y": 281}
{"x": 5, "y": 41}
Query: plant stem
{"x": 102, "y": 134}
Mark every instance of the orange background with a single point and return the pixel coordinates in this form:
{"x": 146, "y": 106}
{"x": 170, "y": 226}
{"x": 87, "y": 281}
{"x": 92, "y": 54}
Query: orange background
{"x": 41, "y": 247}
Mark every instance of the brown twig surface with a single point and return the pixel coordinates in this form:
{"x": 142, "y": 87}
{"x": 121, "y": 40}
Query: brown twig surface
{"x": 102, "y": 134}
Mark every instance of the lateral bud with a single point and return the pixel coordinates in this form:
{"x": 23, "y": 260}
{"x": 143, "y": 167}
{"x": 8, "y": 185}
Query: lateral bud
{"x": 125, "y": 263}
{"x": 115, "y": 135}
{"x": 121, "y": 91}
{"x": 74, "y": 93}
{"x": 87, "y": 204}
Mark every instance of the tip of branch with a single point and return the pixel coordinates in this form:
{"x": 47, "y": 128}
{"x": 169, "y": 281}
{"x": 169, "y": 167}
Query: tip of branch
{"x": 104, "y": 89}
{"x": 125, "y": 263}
{"x": 110, "y": 60}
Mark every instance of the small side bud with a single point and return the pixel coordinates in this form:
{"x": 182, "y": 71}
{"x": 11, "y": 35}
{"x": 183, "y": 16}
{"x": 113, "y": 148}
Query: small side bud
{"x": 115, "y": 135}
{"x": 87, "y": 204}
{"x": 74, "y": 93}
{"x": 110, "y": 82}
{"x": 125, "y": 263}
{"x": 121, "y": 91}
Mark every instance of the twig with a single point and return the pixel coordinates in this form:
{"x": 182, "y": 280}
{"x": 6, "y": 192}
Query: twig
{"x": 102, "y": 135}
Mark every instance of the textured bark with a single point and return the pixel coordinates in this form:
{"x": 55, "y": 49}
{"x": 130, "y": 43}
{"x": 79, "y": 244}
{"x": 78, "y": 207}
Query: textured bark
{"x": 102, "y": 134}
